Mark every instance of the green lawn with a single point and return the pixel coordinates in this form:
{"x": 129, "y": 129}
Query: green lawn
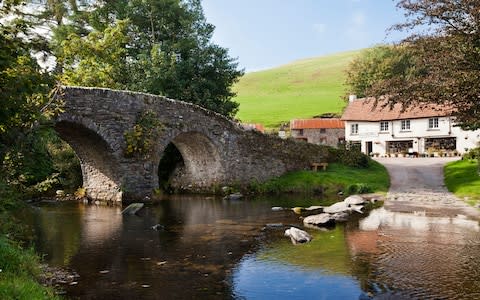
{"x": 301, "y": 89}
{"x": 462, "y": 179}
{"x": 338, "y": 177}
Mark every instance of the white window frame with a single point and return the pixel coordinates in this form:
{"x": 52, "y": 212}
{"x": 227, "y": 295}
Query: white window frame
{"x": 384, "y": 126}
{"x": 405, "y": 125}
{"x": 354, "y": 129}
{"x": 433, "y": 123}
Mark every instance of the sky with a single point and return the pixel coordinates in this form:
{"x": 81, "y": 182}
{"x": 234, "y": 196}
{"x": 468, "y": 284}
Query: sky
{"x": 263, "y": 34}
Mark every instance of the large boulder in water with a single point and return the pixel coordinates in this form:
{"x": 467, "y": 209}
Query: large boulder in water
{"x": 298, "y": 235}
{"x": 354, "y": 200}
{"x": 336, "y": 207}
{"x": 340, "y": 207}
{"x": 340, "y": 216}
{"x": 132, "y": 208}
{"x": 319, "y": 220}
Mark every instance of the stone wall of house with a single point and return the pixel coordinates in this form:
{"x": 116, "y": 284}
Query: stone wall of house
{"x": 330, "y": 137}
{"x": 215, "y": 150}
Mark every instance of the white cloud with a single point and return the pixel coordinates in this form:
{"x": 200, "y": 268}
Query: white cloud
{"x": 319, "y": 28}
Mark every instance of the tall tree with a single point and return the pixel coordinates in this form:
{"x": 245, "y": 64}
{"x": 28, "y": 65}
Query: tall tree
{"x": 377, "y": 64}
{"x": 23, "y": 84}
{"x": 167, "y": 50}
{"x": 23, "y": 101}
{"x": 446, "y": 58}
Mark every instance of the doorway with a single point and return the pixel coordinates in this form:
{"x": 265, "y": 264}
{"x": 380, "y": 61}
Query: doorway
{"x": 368, "y": 147}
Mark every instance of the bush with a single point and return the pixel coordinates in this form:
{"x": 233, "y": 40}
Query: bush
{"x": 353, "y": 158}
{"x": 472, "y": 154}
{"x": 359, "y": 188}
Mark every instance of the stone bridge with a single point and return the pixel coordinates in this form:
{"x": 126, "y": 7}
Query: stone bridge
{"x": 215, "y": 150}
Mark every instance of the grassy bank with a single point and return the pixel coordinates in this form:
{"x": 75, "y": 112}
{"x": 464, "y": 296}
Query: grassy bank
{"x": 462, "y": 179}
{"x": 338, "y": 177}
{"x": 20, "y": 269}
{"x": 19, "y": 265}
{"x": 300, "y": 89}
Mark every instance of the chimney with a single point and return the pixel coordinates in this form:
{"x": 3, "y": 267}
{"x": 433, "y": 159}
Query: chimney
{"x": 352, "y": 98}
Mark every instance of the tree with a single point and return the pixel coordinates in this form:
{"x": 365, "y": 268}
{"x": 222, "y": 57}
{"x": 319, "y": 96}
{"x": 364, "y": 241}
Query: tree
{"x": 23, "y": 85}
{"x": 165, "y": 49}
{"x": 445, "y": 58}
{"x": 99, "y": 59}
{"x": 376, "y": 64}
{"x": 24, "y": 88}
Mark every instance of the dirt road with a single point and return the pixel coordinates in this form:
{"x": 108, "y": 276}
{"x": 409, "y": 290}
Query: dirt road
{"x": 417, "y": 186}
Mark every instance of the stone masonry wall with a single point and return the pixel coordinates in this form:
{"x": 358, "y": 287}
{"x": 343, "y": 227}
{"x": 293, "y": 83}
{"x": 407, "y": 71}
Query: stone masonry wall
{"x": 330, "y": 137}
{"x": 216, "y": 151}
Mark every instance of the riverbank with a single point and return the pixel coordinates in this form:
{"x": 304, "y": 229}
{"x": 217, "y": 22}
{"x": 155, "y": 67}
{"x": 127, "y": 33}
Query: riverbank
{"x": 461, "y": 178}
{"x": 19, "y": 273}
{"x": 337, "y": 178}
{"x": 20, "y": 267}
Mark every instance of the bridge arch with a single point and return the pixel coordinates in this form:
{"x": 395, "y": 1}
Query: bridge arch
{"x": 202, "y": 161}
{"x": 99, "y": 166}
{"x": 215, "y": 150}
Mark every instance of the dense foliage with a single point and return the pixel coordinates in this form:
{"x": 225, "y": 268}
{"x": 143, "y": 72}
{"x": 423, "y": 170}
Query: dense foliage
{"x": 159, "y": 47}
{"x": 377, "y": 64}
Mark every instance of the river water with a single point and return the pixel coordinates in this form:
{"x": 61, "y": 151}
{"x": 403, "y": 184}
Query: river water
{"x": 211, "y": 248}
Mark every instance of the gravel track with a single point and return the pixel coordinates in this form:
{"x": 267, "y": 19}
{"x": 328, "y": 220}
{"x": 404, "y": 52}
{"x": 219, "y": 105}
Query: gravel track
{"x": 416, "y": 184}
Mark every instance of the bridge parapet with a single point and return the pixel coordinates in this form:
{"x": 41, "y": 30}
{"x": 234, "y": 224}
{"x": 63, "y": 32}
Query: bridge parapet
{"x": 215, "y": 150}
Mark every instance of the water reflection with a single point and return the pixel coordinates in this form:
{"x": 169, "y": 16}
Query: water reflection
{"x": 262, "y": 279}
{"x": 215, "y": 249}
{"x": 417, "y": 220}
{"x": 417, "y": 256}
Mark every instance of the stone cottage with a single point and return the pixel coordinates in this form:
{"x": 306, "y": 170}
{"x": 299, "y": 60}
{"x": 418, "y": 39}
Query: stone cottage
{"x": 330, "y": 132}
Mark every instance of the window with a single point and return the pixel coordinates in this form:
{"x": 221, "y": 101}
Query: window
{"x": 432, "y": 123}
{"x": 354, "y": 129}
{"x": 323, "y": 130}
{"x": 405, "y": 125}
{"x": 383, "y": 126}
{"x": 300, "y": 132}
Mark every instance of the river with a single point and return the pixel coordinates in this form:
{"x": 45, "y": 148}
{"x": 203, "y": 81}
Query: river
{"x": 209, "y": 248}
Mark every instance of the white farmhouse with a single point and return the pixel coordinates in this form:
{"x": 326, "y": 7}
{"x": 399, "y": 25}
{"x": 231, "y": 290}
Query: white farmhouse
{"x": 423, "y": 129}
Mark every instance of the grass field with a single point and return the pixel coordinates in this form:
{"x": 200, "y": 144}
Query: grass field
{"x": 301, "y": 89}
{"x": 461, "y": 178}
{"x": 337, "y": 178}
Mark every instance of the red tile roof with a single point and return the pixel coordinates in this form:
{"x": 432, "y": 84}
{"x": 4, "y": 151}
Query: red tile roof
{"x": 365, "y": 110}
{"x": 316, "y": 123}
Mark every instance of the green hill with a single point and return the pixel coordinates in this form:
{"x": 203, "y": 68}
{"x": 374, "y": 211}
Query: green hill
{"x": 301, "y": 89}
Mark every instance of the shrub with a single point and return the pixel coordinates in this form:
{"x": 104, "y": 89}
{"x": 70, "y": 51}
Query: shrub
{"x": 144, "y": 134}
{"x": 359, "y": 188}
{"x": 353, "y": 158}
{"x": 472, "y": 154}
